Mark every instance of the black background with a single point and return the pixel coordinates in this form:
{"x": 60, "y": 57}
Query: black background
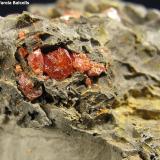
{"x": 4, "y": 10}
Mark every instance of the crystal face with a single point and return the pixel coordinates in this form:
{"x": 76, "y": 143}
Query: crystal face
{"x": 58, "y": 64}
{"x": 36, "y": 61}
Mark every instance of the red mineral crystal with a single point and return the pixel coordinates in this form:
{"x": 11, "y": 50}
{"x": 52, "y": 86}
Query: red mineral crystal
{"x": 36, "y": 61}
{"x": 88, "y": 82}
{"x": 58, "y": 64}
{"x": 96, "y": 69}
{"x": 23, "y": 52}
{"x": 70, "y": 13}
{"x": 27, "y": 87}
{"x": 81, "y": 62}
{"x": 18, "y": 69}
{"x": 21, "y": 35}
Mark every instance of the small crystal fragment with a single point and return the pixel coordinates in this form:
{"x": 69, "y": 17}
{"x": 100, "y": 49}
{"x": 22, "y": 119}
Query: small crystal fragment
{"x": 27, "y": 87}
{"x": 88, "y": 82}
{"x": 18, "y": 69}
{"x": 21, "y": 35}
{"x": 70, "y": 14}
{"x": 81, "y": 62}
{"x": 23, "y": 52}
{"x": 96, "y": 69}
{"x": 36, "y": 61}
{"x": 113, "y": 14}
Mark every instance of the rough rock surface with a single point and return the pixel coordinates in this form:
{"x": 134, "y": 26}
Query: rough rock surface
{"x": 117, "y": 117}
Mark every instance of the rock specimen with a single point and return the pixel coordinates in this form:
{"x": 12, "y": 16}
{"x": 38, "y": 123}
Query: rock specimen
{"x": 92, "y": 71}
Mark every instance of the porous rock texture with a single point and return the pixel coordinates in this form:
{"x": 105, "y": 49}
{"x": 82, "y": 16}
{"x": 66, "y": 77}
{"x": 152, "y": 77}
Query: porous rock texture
{"x": 116, "y": 118}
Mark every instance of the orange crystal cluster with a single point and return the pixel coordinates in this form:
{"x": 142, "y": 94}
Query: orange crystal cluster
{"x": 58, "y": 64}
